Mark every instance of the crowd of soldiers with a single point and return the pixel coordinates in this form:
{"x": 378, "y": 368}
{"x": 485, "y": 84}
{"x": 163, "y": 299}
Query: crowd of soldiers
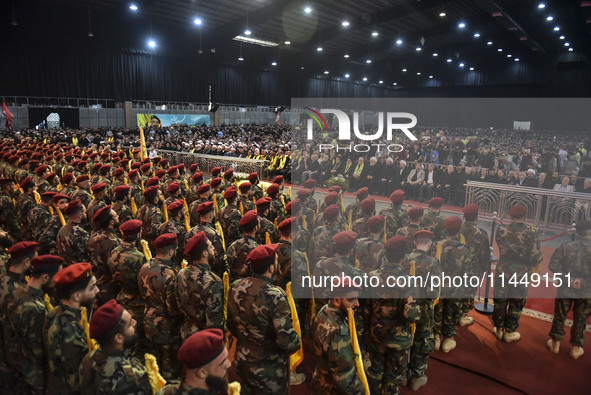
{"x": 177, "y": 265}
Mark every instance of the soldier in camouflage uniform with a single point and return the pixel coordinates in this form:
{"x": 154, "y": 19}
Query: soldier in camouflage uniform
{"x": 39, "y": 216}
{"x": 282, "y": 194}
{"x": 257, "y": 192}
{"x": 204, "y": 192}
{"x": 7, "y": 211}
{"x": 173, "y": 191}
{"x": 174, "y": 176}
{"x": 100, "y": 245}
{"x": 420, "y": 264}
{"x": 229, "y": 217}
{"x": 42, "y": 184}
{"x": 228, "y": 179}
{"x": 321, "y": 245}
{"x": 311, "y": 203}
{"x": 330, "y": 199}
{"x": 415, "y": 215}
{"x": 368, "y": 209}
{"x": 392, "y": 313}
{"x": 246, "y": 194}
{"x": 369, "y": 250}
{"x": 176, "y": 226}
{"x": 266, "y": 227}
{"x": 26, "y": 315}
{"x": 302, "y": 238}
{"x": 288, "y": 257}
{"x": 83, "y": 193}
{"x": 162, "y": 318}
{"x": 217, "y": 196}
{"x": 572, "y": 257}
{"x": 196, "y": 182}
{"x": 105, "y": 176}
{"x": 519, "y": 254}
{"x": 52, "y": 223}
{"x": 476, "y": 240}
{"x": 206, "y": 218}
{"x": 136, "y": 191}
{"x": 260, "y": 318}
{"x": 238, "y": 251}
{"x": 353, "y": 210}
{"x": 431, "y": 219}
{"x": 200, "y": 292}
{"x": 121, "y": 203}
{"x": 335, "y": 371}
{"x": 99, "y": 192}
{"x": 308, "y": 217}
{"x": 64, "y": 338}
{"x": 118, "y": 178}
{"x": 72, "y": 238}
{"x": 455, "y": 260}
{"x": 69, "y": 185}
{"x": 53, "y": 181}
{"x": 25, "y": 203}
{"x": 151, "y": 214}
{"x": 276, "y": 208}
{"x": 396, "y": 216}
{"x": 110, "y": 369}
{"x": 14, "y": 278}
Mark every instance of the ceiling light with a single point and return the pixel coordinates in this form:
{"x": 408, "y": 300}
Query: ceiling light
{"x": 541, "y": 6}
{"x": 461, "y": 25}
{"x": 287, "y": 42}
{"x": 562, "y": 37}
{"x": 500, "y": 49}
{"x": 419, "y": 49}
{"x": 550, "y": 18}
{"x": 570, "y": 49}
{"x": 345, "y": 23}
{"x": 509, "y": 55}
{"x": 319, "y": 49}
{"x": 489, "y": 43}
{"x": 430, "y": 77}
{"x": 399, "y": 42}
{"x": 152, "y": 44}
{"x": 404, "y": 70}
{"x": 556, "y": 28}
{"x": 247, "y": 32}
{"x": 302, "y": 67}
{"x": 517, "y": 59}
{"x": 133, "y": 7}
{"x": 461, "y": 64}
{"x": 419, "y": 73}
{"x": 347, "y": 75}
{"x": 435, "y": 54}
{"x": 197, "y": 21}
{"x": 374, "y": 34}
{"x": 442, "y": 14}
{"x": 256, "y": 41}
{"x": 364, "y": 78}
{"x": 307, "y": 10}
{"x": 240, "y": 58}
{"x": 273, "y": 63}
{"x": 448, "y": 60}
{"x": 395, "y": 83}
{"x": 471, "y": 68}
{"x": 476, "y": 35}
{"x": 346, "y": 55}
{"x": 325, "y": 71}
{"x": 380, "y": 81}
{"x": 567, "y": 44}
{"x": 368, "y": 61}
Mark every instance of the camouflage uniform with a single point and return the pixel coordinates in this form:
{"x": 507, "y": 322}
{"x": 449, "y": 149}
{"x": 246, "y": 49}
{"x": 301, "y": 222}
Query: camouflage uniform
{"x": 219, "y": 200}
{"x": 335, "y": 371}
{"x": 360, "y": 226}
{"x": 48, "y": 236}
{"x": 247, "y": 203}
{"x": 519, "y": 252}
{"x": 396, "y": 218}
{"x": 219, "y": 262}
{"x": 151, "y": 217}
{"x": 257, "y": 191}
{"x": 276, "y": 210}
{"x": 424, "y": 340}
{"x": 230, "y": 222}
{"x": 69, "y": 191}
{"x": 123, "y": 212}
{"x": 321, "y": 244}
{"x": 178, "y": 228}
{"x": 84, "y": 196}
{"x": 65, "y": 347}
{"x": 100, "y": 245}
{"x": 38, "y": 219}
{"x": 193, "y": 214}
{"x": 200, "y": 295}
{"x": 8, "y": 216}
{"x": 266, "y": 226}
{"x": 71, "y": 244}
{"x": 409, "y": 231}
{"x": 136, "y": 193}
{"x": 43, "y": 186}
{"x": 333, "y": 266}
{"x": 25, "y": 205}
{"x": 310, "y": 217}
{"x": 355, "y": 210}
{"x": 369, "y": 253}
{"x": 113, "y": 372}
{"x": 260, "y": 318}
{"x": 91, "y": 210}
{"x": 238, "y": 265}
{"x": 478, "y": 244}
{"x": 9, "y": 282}
{"x": 286, "y": 258}
{"x": 434, "y": 223}
{"x": 573, "y": 258}
{"x": 157, "y": 284}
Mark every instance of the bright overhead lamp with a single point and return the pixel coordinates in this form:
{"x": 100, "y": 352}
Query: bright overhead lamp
{"x": 380, "y": 82}
{"x": 461, "y": 25}
{"x": 287, "y": 42}
{"x": 500, "y": 50}
{"x": 364, "y": 78}
{"x": 489, "y": 43}
{"x": 255, "y": 41}
{"x": 435, "y": 54}
{"x": 449, "y": 60}
{"x": 509, "y": 55}
{"x": 133, "y": 7}
{"x": 368, "y": 61}
{"x": 319, "y": 49}
{"x": 247, "y": 32}
{"x": 399, "y": 42}
{"x": 273, "y": 63}
{"x": 562, "y": 37}
{"x": 240, "y": 58}
{"x": 541, "y": 6}
{"x": 442, "y": 14}
{"x": 431, "y": 77}
{"x": 197, "y": 21}
{"x": 556, "y": 28}
{"x": 471, "y": 68}
{"x": 345, "y": 23}
{"x": 419, "y": 49}
{"x": 516, "y": 59}
{"x": 347, "y": 75}
{"x": 549, "y": 18}
{"x": 374, "y": 34}
{"x": 404, "y": 70}
{"x": 307, "y": 10}
{"x": 346, "y": 55}
{"x": 151, "y": 43}
{"x": 325, "y": 71}
{"x": 461, "y": 64}
{"x": 419, "y": 73}
{"x": 570, "y": 49}
{"x": 395, "y": 83}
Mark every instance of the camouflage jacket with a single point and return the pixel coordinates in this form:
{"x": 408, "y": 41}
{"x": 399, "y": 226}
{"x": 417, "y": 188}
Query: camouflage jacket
{"x": 519, "y": 249}
{"x": 301, "y": 240}
{"x": 113, "y": 372}
{"x": 230, "y": 222}
{"x": 84, "y": 196}
{"x": 9, "y": 282}
{"x": 123, "y": 212}
{"x": 43, "y": 187}
{"x": 266, "y": 227}
{"x": 71, "y": 244}
{"x": 100, "y": 245}
{"x": 247, "y": 203}
{"x": 333, "y": 266}
{"x": 219, "y": 262}
{"x": 310, "y": 217}
{"x": 38, "y": 219}
{"x": 321, "y": 244}
{"x": 65, "y": 347}
{"x": 573, "y": 257}
{"x": 238, "y": 265}
{"x": 178, "y": 228}
{"x": 360, "y": 226}
{"x": 219, "y": 200}
{"x": 424, "y": 266}
{"x": 48, "y": 237}
{"x": 433, "y": 222}
{"x": 151, "y": 217}
{"x": 26, "y": 315}
{"x": 335, "y": 371}
{"x": 25, "y": 205}
{"x": 8, "y": 216}
{"x": 157, "y": 284}
{"x": 193, "y": 214}
{"x": 285, "y": 255}
{"x": 396, "y": 218}
{"x": 91, "y": 210}
{"x": 455, "y": 260}
{"x": 200, "y": 296}
{"x": 276, "y": 210}
{"x": 312, "y": 204}
{"x": 353, "y": 208}
{"x": 369, "y": 253}
{"x": 69, "y": 191}
{"x": 183, "y": 389}
{"x": 125, "y": 263}
{"x": 257, "y": 191}
{"x": 259, "y": 316}
{"x": 136, "y": 193}
{"x": 478, "y": 244}
{"x": 409, "y": 231}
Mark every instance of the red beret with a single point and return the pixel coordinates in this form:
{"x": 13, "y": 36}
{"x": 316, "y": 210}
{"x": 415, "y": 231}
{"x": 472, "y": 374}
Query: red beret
{"x": 278, "y": 180}
{"x": 160, "y": 173}
{"x": 244, "y": 187}
{"x": 193, "y": 167}
{"x": 453, "y": 225}
{"x": 132, "y": 174}
{"x": 305, "y": 192}
{"x": 163, "y": 162}
{"x": 229, "y": 173}
{"x": 197, "y": 176}
{"x": 28, "y": 181}
{"x": 362, "y": 192}
{"x": 46, "y": 262}
{"x": 310, "y": 183}
{"x": 48, "y": 195}
{"x": 82, "y": 164}
{"x": 253, "y": 177}
{"x": 67, "y": 178}
{"x": 102, "y": 214}
{"x": 201, "y": 348}
{"x": 230, "y": 193}
{"x": 73, "y": 274}
{"x": 23, "y": 248}
{"x": 96, "y": 167}
{"x": 273, "y": 190}
{"x": 262, "y": 256}
{"x": 415, "y": 213}
{"x": 101, "y": 186}
{"x": 176, "y": 206}
{"x": 195, "y": 242}
{"x": 121, "y": 190}
{"x": 59, "y": 196}
{"x": 248, "y": 217}
{"x": 172, "y": 170}
{"x": 331, "y": 198}
{"x": 397, "y": 196}
{"x": 136, "y": 165}
{"x": 395, "y": 244}
{"x": 294, "y": 206}
{"x": 164, "y": 240}
{"x": 82, "y": 178}
{"x": 345, "y": 238}
{"x": 72, "y": 207}
{"x": 216, "y": 171}
{"x": 124, "y": 163}
{"x": 205, "y": 208}
{"x": 41, "y": 169}
{"x": 152, "y": 191}
{"x": 424, "y": 234}
{"x": 263, "y": 202}
{"x": 105, "y": 169}
{"x": 290, "y": 223}
{"x": 105, "y": 318}
{"x": 331, "y": 212}
{"x": 215, "y": 182}
{"x": 135, "y": 151}
{"x": 153, "y": 181}
{"x": 180, "y": 166}
{"x": 145, "y": 167}
{"x": 50, "y": 176}
{"x": 203, "y": 189}
{"x": 368, "y": 205}
{"x": 335, "y": 188}
{"x": 131, "y": 227}
{"x": 173, "y": 187}
{"x": 518, "y": 211}
{"x": 376, "y": 222}
{"x": 436, "y": 202}
{"x": 118, "y": 172}
{"x": 470, "y": 210}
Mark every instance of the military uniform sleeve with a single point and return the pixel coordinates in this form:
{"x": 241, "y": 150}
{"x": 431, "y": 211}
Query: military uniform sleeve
{"x": 557, "y": 258}
{"x": 73, "y": 349}
{"x": 287, "y": 338}
{"x": 536, "y": 252}
{"x": 32, "y": 332}
{"x": 214, "y": 310}
{"x": 339, "y": 355}
{"x": 170, "y": 289}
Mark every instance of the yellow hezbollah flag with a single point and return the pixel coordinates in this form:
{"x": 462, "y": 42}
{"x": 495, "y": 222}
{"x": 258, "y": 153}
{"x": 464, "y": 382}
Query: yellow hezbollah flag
{"x": 133, "y": 206}
{"x": 153, "y": 373}
{"x": 146, "y": 250}
{"x": 61, "y": 216}
{"x": 226, "y": 282}
{"x": 187, "y": 218}
{"x": 312, "y": 301}
{"x": 143, "y": 152}
{"x": 84, "y": 323}
{"x": 218, "y": 227}
{"x": 297, "y": 357}
{"x": 357, "y": 351}
{"x": 165, "y": 213}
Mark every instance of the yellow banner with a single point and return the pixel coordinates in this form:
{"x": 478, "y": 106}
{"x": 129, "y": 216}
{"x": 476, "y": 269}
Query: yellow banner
{"x": 357, "y": 351}
{"x": 297, "y": 357}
